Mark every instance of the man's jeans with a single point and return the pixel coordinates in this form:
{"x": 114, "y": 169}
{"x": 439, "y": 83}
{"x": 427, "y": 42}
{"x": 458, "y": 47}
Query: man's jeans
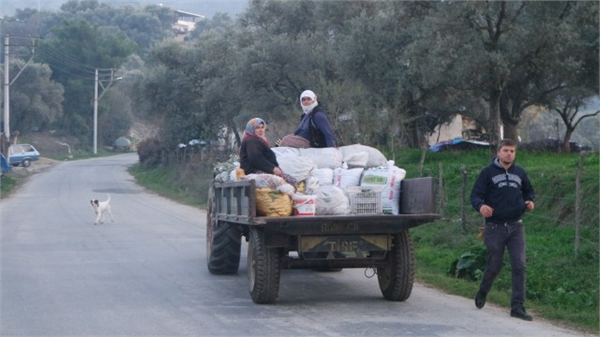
{"x": 496, "y": 237}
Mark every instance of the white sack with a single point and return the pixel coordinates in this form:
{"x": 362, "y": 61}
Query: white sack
{"x": 223, "y": 177}
{"x": 297, "y": 167}
{"x": 343, "y": 178}
{"x": 312, "y": 184}
{"x": 287, "y": 189}
{"x": 328, "y": 157}
{"x": 325, "y": 175}
{"x": 270, "y": 181}
{"x": 356, "y": 159}
{"x": 265, "y": 180}
{"x": 331, "y": 200}
{"x": 376, "y": 158}
{"x": 390, "y": 177}
{"x": 281, "y": 151}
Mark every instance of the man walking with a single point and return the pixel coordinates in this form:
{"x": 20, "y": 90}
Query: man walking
{"x": 502, "y": 193}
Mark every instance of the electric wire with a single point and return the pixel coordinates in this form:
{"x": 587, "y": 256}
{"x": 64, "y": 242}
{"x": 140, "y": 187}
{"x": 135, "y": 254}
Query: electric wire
{"x": 71, "y": 67}
{"x": 66, "y": 64}
{"x": 68, "y": 60}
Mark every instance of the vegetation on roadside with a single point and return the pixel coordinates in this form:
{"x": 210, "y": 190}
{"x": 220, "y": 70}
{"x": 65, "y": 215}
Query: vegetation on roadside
{"x": 8, "y": 184}
{"x": 562, "y": 285}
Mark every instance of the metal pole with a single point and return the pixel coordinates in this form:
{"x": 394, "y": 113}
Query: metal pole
{"x": 96, "y": 112}
{"x": 6, "y": 91}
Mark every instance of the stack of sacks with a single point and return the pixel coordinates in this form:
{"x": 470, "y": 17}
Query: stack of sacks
{"x": 326, "y": 172}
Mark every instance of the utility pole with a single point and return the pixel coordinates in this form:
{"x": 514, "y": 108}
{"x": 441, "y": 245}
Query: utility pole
{"x": 96, "y": 112}
{"x": 6, "y": 91}
{"x": 8, "y": 83}
{"x": 96, "y": 99}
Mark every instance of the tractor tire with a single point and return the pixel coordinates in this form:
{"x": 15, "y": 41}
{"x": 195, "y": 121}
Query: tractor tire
{"x": 396, "y": 279}
{"x": 223, "y": 244}
{"x": 264, "y": 269}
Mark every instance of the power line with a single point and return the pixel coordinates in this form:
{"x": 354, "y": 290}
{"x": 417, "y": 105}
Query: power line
{"x": 65, "y": 60}
{"x": 71, "y": 67}
{"x": 70, "y": 59}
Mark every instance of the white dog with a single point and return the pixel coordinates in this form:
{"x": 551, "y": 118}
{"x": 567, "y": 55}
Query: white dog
{"x": 101, "y": 207}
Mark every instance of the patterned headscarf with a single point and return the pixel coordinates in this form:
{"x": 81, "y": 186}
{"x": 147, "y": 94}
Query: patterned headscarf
{"x": 250, "y": 130}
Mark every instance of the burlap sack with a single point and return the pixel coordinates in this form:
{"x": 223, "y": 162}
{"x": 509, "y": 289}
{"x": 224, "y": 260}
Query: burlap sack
{"x": 271, "y": 202}
{"x": 295, "y": 141}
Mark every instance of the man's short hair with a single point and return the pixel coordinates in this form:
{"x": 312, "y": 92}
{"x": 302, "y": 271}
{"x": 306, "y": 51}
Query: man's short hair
{"x": 507, "y": 142}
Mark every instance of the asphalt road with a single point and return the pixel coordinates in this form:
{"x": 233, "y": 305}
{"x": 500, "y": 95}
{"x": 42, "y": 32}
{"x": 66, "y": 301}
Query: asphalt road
{"x": 145, "y": 275}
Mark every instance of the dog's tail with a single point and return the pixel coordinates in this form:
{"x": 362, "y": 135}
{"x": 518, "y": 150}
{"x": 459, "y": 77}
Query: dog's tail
{"x": 108, "y": 197}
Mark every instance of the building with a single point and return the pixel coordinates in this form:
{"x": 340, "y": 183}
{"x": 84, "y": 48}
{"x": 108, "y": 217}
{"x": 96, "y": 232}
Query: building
{"x": 186, "y": 22}
{"x": 460, "y": 127}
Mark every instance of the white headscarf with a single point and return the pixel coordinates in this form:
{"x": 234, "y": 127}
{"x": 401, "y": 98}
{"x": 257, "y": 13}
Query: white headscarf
{"x": 308, "y": 108}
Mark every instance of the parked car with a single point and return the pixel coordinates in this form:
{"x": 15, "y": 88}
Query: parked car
{"x": 22, "y": 154}
{"x": 122, "y": 144}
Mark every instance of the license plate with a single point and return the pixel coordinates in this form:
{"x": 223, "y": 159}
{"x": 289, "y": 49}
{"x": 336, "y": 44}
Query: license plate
{"x": 352, "y": 246}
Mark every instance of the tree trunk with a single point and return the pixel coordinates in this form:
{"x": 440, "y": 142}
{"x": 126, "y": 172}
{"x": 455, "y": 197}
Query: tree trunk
{"x": 494, "y": 121}
{"x": 566, "y": 146}
{"x": 510, "y": 131}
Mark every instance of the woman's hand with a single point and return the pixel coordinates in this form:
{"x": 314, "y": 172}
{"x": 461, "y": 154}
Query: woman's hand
{"x": 278, "y": 172}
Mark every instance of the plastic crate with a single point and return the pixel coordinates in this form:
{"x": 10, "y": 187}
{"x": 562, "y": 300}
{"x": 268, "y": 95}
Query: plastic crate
{"x": 365, "y": 199}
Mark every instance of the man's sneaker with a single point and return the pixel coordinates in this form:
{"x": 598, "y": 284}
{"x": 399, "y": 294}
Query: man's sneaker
{"x": 520, "y": 313}
{"x": 480, "y": 299}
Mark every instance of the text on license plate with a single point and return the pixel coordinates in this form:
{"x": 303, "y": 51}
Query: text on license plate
{"x": 360, "y": 244}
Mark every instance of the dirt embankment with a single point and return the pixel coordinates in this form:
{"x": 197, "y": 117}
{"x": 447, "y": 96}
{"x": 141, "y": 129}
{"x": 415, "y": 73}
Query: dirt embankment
{"x": 36, "y": 166}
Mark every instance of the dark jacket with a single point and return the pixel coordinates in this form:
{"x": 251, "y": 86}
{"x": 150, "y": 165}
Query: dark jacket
{"x": 256, "y": 156}
{"x": 504, "y": 190}
{"x": 319, "y": 132}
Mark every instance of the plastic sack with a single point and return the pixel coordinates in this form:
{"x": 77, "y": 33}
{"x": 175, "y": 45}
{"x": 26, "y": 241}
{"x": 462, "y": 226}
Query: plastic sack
{"x": 390, "y": 177}
{"x": 376, "y": 158}
{"x": 297, "y": 167}
{"x": 343, "y": 178}
{"x": 265, "y": 180}
{"x": 331, "y": 200}
{"x": 328, "y": 157}
{"x": 356, "y": 159}
{"x": 325, "y": 176}
{"x": 281, "y": 151}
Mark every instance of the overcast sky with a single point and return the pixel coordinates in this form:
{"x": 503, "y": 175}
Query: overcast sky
{"x": 204, "y": 7}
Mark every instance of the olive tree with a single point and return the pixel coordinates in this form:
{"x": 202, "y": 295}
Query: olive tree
{"x": 509, "y": 54}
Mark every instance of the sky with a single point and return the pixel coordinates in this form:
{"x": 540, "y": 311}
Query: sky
{"x": 203, "y": 7}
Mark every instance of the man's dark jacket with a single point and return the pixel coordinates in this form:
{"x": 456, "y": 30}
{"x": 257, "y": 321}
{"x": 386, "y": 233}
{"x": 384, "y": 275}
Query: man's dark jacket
{"x": 504, "y": 190}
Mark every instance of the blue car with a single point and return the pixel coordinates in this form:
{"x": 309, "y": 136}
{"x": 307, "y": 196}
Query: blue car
{"x": 22, "y": 154}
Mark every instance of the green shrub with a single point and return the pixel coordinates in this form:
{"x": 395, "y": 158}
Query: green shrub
{"x": 151, "y": 152}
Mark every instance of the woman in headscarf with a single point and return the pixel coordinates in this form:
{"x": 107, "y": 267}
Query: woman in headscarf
{"x": 314, "y": 125}
{"x": 256, "y": 155}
